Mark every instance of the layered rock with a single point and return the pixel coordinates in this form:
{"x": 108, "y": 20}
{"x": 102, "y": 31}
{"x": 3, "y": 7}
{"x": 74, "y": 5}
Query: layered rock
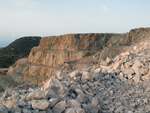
{"x": 71, "y": 49}
{"x": 118, "y": 85}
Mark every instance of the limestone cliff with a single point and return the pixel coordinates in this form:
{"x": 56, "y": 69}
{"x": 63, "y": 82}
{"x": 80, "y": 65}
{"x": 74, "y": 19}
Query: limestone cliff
{"x": 71, "y": 49}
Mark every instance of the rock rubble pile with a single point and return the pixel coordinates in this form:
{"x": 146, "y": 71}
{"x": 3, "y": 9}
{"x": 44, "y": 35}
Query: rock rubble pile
{"x": 119, "y": 85}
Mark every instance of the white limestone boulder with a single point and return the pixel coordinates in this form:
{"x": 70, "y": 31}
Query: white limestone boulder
{"x": 37, "y": 94}
{"x": 59, "y": 108}
{"x": 56, "y": 86}
{"x": 75, "y": 73}
{"x": 3, "y": 109}
{"x": 40, "y": 104}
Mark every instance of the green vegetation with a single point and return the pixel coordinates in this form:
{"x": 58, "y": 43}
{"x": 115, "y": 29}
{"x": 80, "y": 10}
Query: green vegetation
{"x": 20, "y": 48}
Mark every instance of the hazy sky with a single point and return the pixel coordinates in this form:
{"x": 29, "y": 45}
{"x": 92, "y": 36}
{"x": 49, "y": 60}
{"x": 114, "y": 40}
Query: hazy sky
{"x": 56, "y": 17}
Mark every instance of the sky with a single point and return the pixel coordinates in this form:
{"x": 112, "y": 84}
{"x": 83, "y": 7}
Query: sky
{"x": 20, "y": 18}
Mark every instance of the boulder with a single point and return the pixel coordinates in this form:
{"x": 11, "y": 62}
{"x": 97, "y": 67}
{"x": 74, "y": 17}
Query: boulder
{"x": 89, "y": 108}
{"x": 143, "y": 70}
{"x": 136, "y": 68}
{"x": 136, "y": 78}
{"x": 40, "y": 104}
{"x": 127, "y": 71}
{"x": 37, "y": 94}
{"x": 117, "y": 65}
{"x": 86, "y": 76}
{"x": 75, "y": 73}
{"x": 15, "y": 109}
{"x": 79, "y": 110}
{"x": 70, "y": 110}
{"x": 26, "y": 111}
{"x": 82, "y": 98}
{"x": 73, "y": 104}
{"x": 22, "y": 104}
{"x": 147, "y": 108}
{"x": 94, "y": 101}
{"x": 49, "y": 110}
{"x": 53, "y": 102}
{"x": 3, "y": 109}
{"x": 56, "y": 86}
{"x": 59, "y": 108}
{"x": 98, "y": 70}
{"x": 61, "y": 75}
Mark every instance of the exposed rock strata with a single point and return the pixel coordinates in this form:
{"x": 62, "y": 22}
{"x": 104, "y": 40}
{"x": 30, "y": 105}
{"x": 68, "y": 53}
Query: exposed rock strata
{"x": 59, "y": 52}
{"x": 118, "y": 87}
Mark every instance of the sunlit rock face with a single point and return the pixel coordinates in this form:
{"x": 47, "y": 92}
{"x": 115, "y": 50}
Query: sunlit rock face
{"x": 65, "y": 51}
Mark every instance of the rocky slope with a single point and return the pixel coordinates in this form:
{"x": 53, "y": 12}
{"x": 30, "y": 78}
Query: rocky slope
{"x": 65, "y": 51}
{"x": 117, "y": 85}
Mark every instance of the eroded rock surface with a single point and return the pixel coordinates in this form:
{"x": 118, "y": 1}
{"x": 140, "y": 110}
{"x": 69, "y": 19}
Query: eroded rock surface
{"x": 66, "y": 51}
{"x": 82, "y": 73}
{"x": 121, "y": 86}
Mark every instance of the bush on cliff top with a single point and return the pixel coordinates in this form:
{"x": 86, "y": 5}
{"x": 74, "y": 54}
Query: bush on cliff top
{"x": 20, "y": 48}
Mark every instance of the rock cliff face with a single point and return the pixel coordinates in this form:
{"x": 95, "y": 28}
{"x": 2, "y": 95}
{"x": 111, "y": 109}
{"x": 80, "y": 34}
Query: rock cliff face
{"x": 117, "y": 85}
{"x": 61, "y": 52}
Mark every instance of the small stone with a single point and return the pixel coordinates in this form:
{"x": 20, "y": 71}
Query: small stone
{"x": 121, "y": 75}
{"x": 37, "y": 94}
{"x": 78, "y": 91}
{"x": 111, "y": 110}
{"x": 98, "y": 70}
{"x": 136, "y": 78}
{"x": 21, "y": 104}
{"x": 26, "y": 111}
{"x": 130, "y": 76}
{"x": 73, "y": 103}
{"x": 104, "y": 63}
{"x": 146, "y": 77}
{"x": 118, "y": 110}
{"x": 56, "y": 86}
{"x": 82, "y": 98}
{"x": 91, "y": 109}
{"x": 141, "y": 43}
{"x": 127, "y": 53}
{"x": 143, "y": 70}
{"x": 3, "y": 109}
{"x": 104, "y": 71}
{"x": 117, "y": 65}
{"x": 75, "y": 73}
{"x": 86, "y": 75}
{"x": 147, "y": 108}
{"x": 15, "y": 109}
{"x": 40, "y": 104}
{"x": 73, "y": 95}
{"x": 130, "y": 112}
{"x": 53, "y": 102}
{"x": 31, "y": 89}
{"x": 94, "y": 101}
{"x": 61, "y": 75}
{"x": 35, "y": 111}
{"x": 127, "y": 71}
{"x": 49, "y": 110}
{"x": 133, "y": 105}
{"x": 59, "y": 108}
{"x": 79, "y": 110}
{"x": 136, "y": 69}
{"x": 108, "y": 60}
{"x": 134, "y": 47}
{"x": 137, "y": 63}
{"x": 70, "y": 110}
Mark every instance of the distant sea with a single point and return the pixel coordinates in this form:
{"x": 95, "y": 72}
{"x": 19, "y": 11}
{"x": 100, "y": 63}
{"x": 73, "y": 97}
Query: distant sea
{"x": 1, "y": 47}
